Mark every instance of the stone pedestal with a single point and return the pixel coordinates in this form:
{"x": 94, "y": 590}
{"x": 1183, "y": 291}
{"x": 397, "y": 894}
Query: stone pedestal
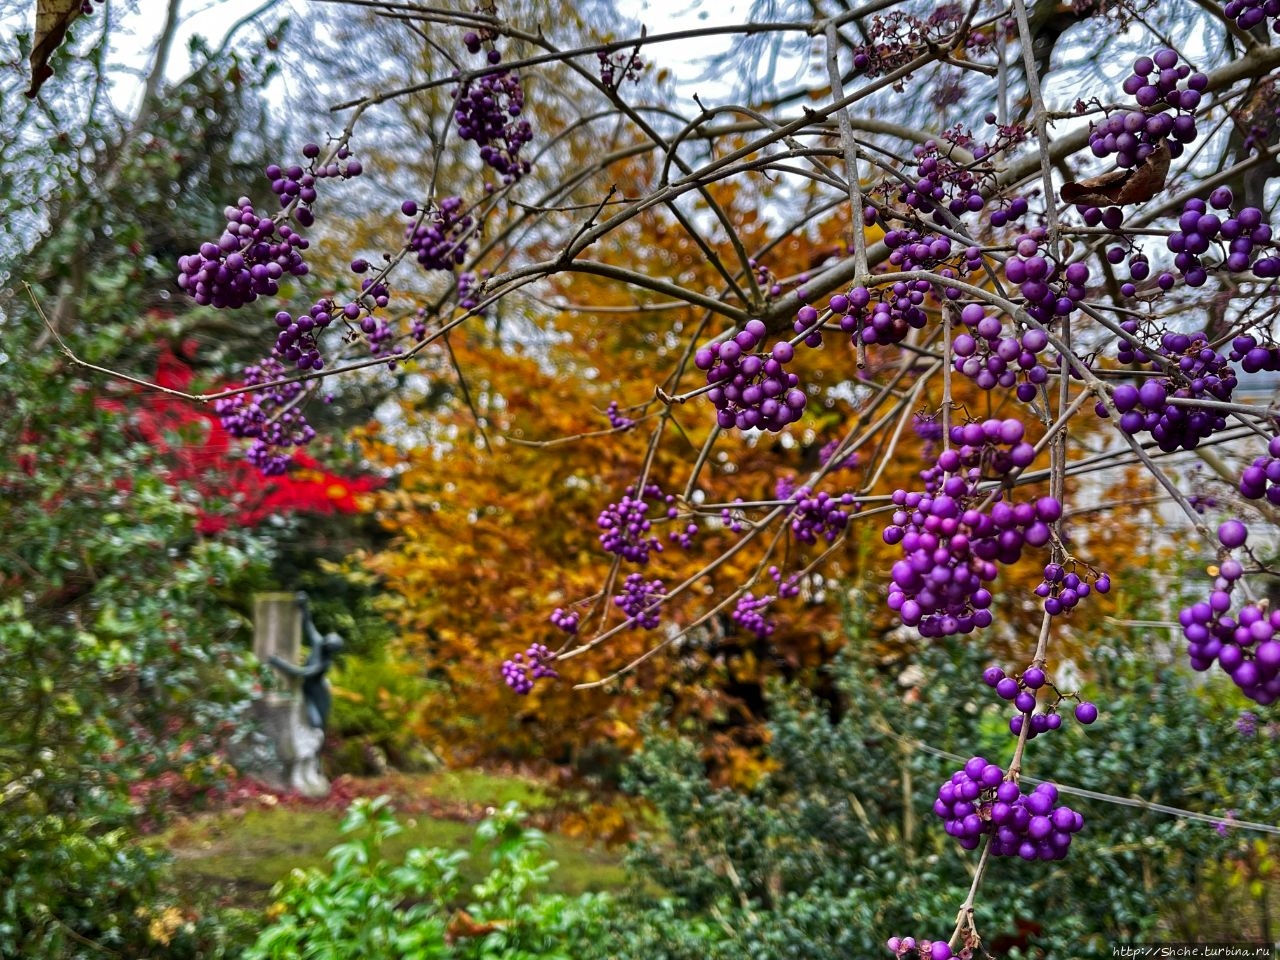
{"x": 277, "y": 631}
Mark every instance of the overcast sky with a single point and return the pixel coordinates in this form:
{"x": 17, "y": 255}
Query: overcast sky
{"x": 140, "y": 24}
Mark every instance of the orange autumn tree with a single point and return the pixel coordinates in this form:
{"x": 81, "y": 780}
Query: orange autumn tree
{"x": 498, "y": 485}
{"x": 492, "y": 538}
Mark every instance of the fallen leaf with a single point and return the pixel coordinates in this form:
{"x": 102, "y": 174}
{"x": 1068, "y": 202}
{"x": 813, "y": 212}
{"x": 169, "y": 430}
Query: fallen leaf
{"x": 1119, "y": 187}
{"x": 53, "y": 17}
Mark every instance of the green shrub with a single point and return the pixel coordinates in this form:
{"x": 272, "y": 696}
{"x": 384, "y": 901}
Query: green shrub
{"x": 377, "y": 698}
{"x": 369, "y": 907}
{"x": 837, "y": 848}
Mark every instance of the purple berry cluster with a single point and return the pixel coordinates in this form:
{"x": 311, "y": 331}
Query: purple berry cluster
{"x": 750, "y": 390}
{"x": 979, "y": 801}
{"x": 1252, "y": 357}
{"x": 1198, "y": 229}
{"x": 1195, "y": 371}
{"x": 640, "y": 600}
{"x": 1022, "y": 692}
{"x": 765, "y": 279}
{"x": 617, "y": 420}
{"x": 248, "y": 260}
{"x": 523, "y": 669}
{"x": 269, "y": 417}
{"x": 950, "y": 547}
{"x": 895, "y": 38}
{"x": 487, "y": 111}
{"x": 1016, "y": 210}
{"x": 1062, "y": 590}
{"x": 749, "y": 613}
{"x": 439, "y": 239}
{"x": 625, "y": 526}
{"x": 1262, "y": 477}
{"x": 1050, "y": 291}
{"x": 1245, "y": 646}
{"x": 908, "y": 947}
{"x": 1252, "y": 13}
{"x": 1166, "y": 111}
{"x": 566, "y": 620}
{"x": 732, "y": 520}
{"x": 620, "y": 67}
{"x": 941, "y": 181}
{"x": 985, "y": 355}
{"x": 825, "y": 456}
{"x": 681, "y": 536}
{"x": 819, "y": 515}
{"x": 294, "y": 183}
{"x": 885, "y": 320}
{"x": 296, "y": 342}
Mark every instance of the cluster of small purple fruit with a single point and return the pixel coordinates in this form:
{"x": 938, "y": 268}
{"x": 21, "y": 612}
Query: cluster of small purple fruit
{"x": 950, "y": 547}
{"x": 1016, "y": 210}
{"x": 1262, "y": 477}
{"x": 439, "y": 240}
{"x": 296, "y": 341}
{"x": 940, "y": 180}
{"x": 750, "y": 391}
{"x": 566, "y": 620}
{"x": 620, "y": 67}
{"x": 1245, "y": 646}
{"x": 819, "y": 515}
{"x": 788, "y": 586}
{"x": 682, "y": 535}
{"x": 827, "y": 457}
{"x": 625, "y": 528}
{"x": 896, "y": 38}
{"x": 732, "y": 520}
{"x": 487, "y": 111}
{"x": 295, "y": 184}
{"x": 1195, "y": 371}
{"x": 1049, "y": 291}
{"x": 1198, "y": 229}
{"x": 991, "y": 359}
{"x": 765, "y": 278}
{"x": 247, "y": 261}
{"x": 617, "y": 420}
{"x": 1167, "y": 113}
{"x": 1022, "y": 692}
{"x": 380, "y": 336}
{"x": 923, "y": 950}
{"x": 749, "y": 613}
{"x": 268, "y": 417}
{"x": 1062, "y": 590}
{"x": 884, "y": 320}
{"x": 1252, "y": 358}
{"x": 912, "y": 250}
{"x": 640, "y": 600}
{"x": 523, "y": 669}
{"x": 1251, "y": 13}
{"x": 978, "y": 801}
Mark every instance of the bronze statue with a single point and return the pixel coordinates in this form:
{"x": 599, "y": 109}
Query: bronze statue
{"x": 324, "y": 650}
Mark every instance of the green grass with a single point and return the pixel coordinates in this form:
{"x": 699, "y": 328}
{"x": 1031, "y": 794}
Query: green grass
{"x": 237, "y": 856}
{"x": 473, "y": 786}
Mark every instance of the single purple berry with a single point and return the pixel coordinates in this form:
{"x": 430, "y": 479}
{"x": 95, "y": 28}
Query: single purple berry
{"x": 1233, "y": 534}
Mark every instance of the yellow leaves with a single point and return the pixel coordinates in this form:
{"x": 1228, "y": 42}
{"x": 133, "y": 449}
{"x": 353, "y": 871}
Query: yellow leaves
{"x": 349, "y": 695}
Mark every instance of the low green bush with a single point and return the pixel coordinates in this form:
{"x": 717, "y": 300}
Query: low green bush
{"x": 373, "y": 908}
{"x": 837, "y": 848}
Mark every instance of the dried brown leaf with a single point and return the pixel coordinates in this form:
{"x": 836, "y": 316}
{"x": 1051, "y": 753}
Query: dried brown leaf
{"x": 53, "y": 17}
{"x": 1116, "y": 188}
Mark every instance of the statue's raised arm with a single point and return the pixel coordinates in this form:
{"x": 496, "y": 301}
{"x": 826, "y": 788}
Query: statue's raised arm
{"x": 324, "y": 650}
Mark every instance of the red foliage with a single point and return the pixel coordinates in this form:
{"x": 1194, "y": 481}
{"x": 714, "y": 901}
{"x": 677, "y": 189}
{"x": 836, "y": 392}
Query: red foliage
{"x": 196, "y": 450}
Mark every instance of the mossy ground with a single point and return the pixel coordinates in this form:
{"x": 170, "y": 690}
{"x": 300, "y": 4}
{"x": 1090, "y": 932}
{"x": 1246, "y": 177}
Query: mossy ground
{"x": 234, "y": 857}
